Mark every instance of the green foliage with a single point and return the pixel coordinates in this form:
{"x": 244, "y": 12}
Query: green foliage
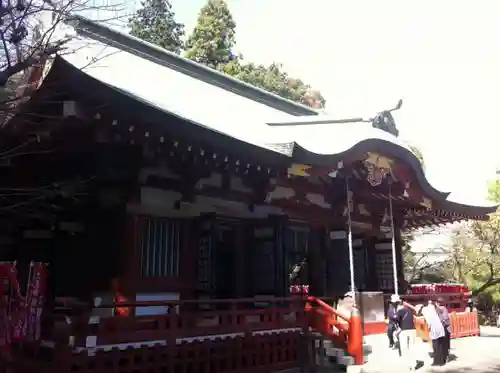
{"x": 494, "y": 189}
{"x": 475, "y": 256}
{"x": 273, "y": 79}
{"x": 213, "y": 37}
{"x": 211, "y": 43}
{"x": 155, "y": 22}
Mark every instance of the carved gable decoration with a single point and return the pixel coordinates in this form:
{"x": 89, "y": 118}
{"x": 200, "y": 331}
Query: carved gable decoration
{"x": 378, "y": 168}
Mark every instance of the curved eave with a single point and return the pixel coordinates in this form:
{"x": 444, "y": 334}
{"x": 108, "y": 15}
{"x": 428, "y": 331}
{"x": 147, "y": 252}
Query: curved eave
{"x": 452, "y": 209}
{"x": 302, "y": 155}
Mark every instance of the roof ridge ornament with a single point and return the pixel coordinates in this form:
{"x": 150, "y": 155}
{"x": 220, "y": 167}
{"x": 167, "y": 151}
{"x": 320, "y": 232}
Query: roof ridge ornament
{"x": 382, "y": 120}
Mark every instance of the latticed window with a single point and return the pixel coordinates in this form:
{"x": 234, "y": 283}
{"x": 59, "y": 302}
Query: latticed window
{"x": 160, "y": 241}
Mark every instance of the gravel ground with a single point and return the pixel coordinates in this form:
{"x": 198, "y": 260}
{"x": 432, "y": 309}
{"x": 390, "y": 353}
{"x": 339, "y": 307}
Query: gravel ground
{"x": 473, "y": 355}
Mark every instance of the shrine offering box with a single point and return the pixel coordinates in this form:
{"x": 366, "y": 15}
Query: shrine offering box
{"x": 371, "y": 306}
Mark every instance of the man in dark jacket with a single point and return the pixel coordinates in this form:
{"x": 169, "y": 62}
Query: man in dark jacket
{"x": 407, "y": 335}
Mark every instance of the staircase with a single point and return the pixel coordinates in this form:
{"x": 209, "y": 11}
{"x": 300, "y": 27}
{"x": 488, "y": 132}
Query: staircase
{"x": 331, "y": 345}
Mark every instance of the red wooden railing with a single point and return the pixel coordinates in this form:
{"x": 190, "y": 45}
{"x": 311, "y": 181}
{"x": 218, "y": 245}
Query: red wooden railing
{"x": 255, "y": 339}
{"x": 345, "y": 331}
{"x": 245, "y": 354}
{"x": 184, "y": 319}
{"x": 244, "y": 335}
{"x": 326, "y": 320}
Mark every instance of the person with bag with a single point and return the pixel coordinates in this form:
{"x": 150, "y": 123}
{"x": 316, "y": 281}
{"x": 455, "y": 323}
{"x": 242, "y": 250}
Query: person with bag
{"x": 444, "y": 316}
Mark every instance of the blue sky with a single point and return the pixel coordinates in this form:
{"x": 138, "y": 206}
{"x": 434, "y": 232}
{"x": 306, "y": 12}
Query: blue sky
{"x": 441, "y": 57}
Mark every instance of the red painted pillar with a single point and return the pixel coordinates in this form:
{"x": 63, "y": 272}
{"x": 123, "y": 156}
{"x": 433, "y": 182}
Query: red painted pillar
{"x": 355, "y": 337}
{"x": 129, "y": 273}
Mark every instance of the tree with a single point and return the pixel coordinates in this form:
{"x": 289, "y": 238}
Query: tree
{"x": 24, "y": 43}
{"x": 155, "y": 22}
{"x": 30, "y": 34}
{"x": 475, "y": 257}
{"x": 212, "y": 43}
{"x": 213, "y": 37}
{"x": 273, "y": 79}
{"x": 422, "y": 267}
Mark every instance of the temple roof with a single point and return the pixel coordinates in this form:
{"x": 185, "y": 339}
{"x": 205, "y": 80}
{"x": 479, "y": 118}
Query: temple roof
{"x": 161, "y": 57}
{"x": 222, "y": 112}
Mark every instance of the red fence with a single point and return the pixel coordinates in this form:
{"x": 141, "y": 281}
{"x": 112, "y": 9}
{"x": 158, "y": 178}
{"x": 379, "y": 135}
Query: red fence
{"x": 184, "y": 319}
{"x": 464, "y": 324}
{"x": 254, "y": 344}
{"x": 249, "y": 354}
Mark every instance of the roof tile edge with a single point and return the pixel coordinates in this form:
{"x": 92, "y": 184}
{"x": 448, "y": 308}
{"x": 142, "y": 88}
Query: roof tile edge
{"x": 94, "y": 30}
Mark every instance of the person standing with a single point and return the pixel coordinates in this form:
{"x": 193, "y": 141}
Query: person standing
{"x": 436, "y": 333}
{"x": 406, "y": 335}
{"x": 391, "y": 323}
{"x": 444, "y": 315}
{"x": 470, "y": 306}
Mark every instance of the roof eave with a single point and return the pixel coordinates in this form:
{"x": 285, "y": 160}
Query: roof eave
{"x": 302, "y": 155}
{"x": 467, "y": 211}
{"x": 88, "y": 28}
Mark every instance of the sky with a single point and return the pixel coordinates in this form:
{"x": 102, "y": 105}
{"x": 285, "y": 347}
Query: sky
{"x": 441, "y": 57}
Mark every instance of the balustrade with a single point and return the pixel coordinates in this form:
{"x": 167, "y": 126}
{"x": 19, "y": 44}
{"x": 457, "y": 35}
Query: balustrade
{"x": 185, "y": 319}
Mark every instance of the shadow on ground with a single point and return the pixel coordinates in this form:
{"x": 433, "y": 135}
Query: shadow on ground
{"x": 494, "y": 368}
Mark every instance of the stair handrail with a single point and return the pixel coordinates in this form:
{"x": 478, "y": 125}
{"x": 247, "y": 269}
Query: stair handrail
{"x": 350, "y": 332}
{"x": 328, "y": 308}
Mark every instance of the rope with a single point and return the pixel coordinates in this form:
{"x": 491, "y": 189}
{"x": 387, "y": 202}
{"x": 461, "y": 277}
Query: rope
{"x": 349, "y": 239}
{"x": 393, "y": 243}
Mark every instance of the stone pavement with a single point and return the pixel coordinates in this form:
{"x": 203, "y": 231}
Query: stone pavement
{"x": 473, "y": 355}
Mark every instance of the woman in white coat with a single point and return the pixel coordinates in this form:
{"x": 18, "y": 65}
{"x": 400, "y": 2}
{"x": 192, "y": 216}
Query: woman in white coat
{"x": 436, "y": 333}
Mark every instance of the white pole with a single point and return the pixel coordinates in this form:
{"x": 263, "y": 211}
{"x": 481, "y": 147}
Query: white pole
{"x": 349, "y": 238}
{"x": 393, "y": 243}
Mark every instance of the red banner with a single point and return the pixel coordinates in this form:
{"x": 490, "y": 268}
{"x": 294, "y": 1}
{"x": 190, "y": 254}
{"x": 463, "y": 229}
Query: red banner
{"x": 18, "y": 320}
{"x": 7, "y": 302}
{"x": 36, "y": 301}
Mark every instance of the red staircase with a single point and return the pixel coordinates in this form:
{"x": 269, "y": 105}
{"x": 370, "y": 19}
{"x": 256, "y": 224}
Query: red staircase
{"x": 345, "y": 332}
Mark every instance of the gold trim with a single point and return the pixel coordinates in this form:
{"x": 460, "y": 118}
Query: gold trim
{"x": 299, "y": 169}
{"x": 426, "y": 202}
